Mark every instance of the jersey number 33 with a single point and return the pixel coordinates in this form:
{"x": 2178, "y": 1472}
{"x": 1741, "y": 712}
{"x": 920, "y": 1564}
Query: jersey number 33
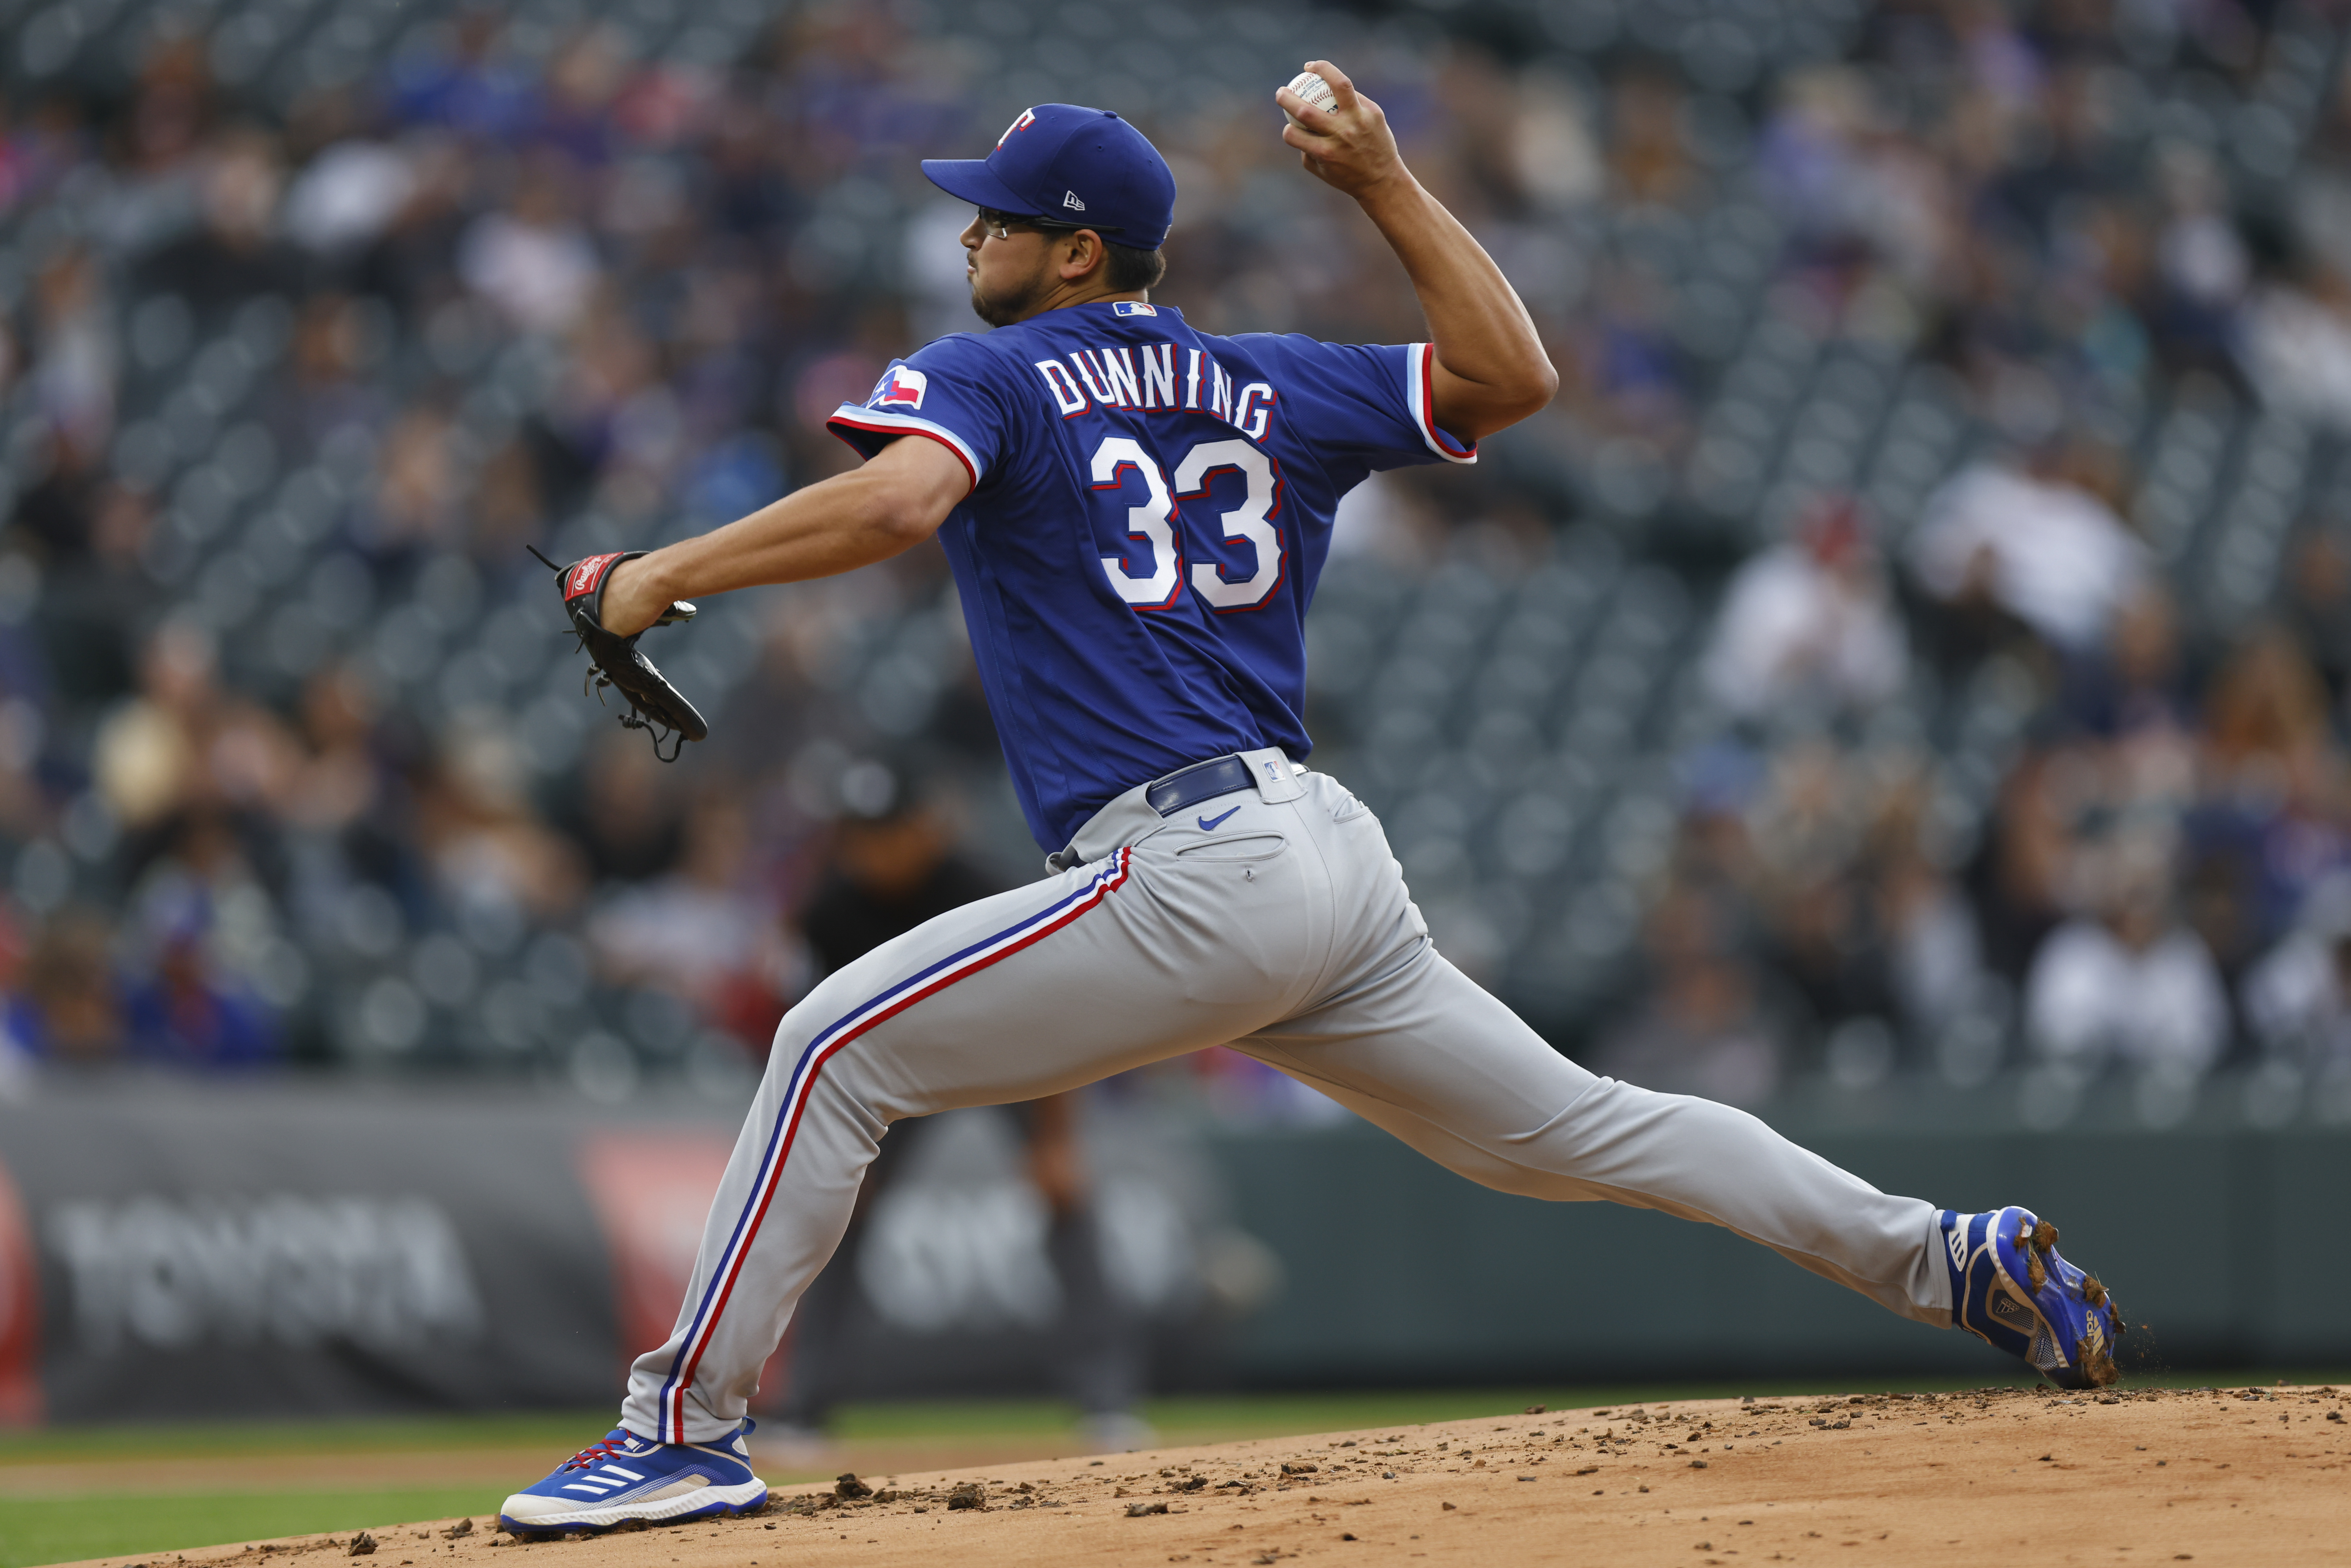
{"x": 1157, "y": 580}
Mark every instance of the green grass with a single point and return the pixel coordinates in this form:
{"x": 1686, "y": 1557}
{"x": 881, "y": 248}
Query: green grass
{"x": 65, "y": 1529}
{"x": 381, "y": 1435}
{"x": 45, "y": 1529}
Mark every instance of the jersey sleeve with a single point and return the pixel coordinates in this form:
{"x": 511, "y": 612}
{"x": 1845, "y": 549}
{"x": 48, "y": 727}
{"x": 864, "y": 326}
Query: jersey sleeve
{"x": 945, "y": 390}
{"x": 1375, "y": 399}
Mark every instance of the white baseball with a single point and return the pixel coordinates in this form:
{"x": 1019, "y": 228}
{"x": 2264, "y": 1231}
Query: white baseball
{"x": 1314, "y": 91}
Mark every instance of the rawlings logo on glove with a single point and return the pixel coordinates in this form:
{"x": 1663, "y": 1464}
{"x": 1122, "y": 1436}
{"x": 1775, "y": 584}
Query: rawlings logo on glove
{"x": 655, "y": 706}
{"x": 588, "y": 575}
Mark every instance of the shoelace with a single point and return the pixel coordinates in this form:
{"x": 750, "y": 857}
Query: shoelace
{"x": 595, "y": 1454}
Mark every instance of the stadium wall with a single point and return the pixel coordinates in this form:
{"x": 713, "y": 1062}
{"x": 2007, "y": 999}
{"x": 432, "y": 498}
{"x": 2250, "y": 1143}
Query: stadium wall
{"x": 173, "y": 1250}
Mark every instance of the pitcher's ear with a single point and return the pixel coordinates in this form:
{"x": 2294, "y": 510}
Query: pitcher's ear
{"x": 1079, "y": 240}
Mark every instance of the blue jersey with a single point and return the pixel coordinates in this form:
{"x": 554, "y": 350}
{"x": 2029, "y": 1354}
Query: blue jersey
{"x": 1149, "y": 509}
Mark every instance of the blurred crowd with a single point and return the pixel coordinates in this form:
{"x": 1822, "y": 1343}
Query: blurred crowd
{"x": 522, "y": 278}
{"x": 2162, "y": 880}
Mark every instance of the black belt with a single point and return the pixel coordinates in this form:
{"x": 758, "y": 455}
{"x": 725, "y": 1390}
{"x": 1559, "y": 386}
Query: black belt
{"x": 1201, "y": 781}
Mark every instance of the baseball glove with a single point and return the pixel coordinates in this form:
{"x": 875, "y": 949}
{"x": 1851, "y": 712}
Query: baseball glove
{"x": 655, "y": 706}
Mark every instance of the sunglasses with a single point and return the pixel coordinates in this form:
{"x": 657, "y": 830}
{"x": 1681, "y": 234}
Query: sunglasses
{"x": 1002, "y": 226}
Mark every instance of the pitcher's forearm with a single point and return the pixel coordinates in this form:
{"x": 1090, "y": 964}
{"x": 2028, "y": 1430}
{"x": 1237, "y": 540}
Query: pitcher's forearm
{"x": 1480, "y": 327}
{"x": 1490, "y": 369}
{"x": 893, "y": 503}
{"x": 825, "y": 529}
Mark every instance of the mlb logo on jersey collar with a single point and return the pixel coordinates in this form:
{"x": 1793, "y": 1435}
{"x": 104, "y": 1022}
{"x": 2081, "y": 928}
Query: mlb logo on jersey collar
{"x": 903, "y": 387}
{"x": 1133, "y": 308}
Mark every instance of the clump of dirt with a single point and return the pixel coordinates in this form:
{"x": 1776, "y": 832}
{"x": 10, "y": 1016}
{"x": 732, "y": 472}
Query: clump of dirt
{"x": 968, "y": 1495}
{"x": 849, "y": 1489}
{"x": 363, "y": 1545}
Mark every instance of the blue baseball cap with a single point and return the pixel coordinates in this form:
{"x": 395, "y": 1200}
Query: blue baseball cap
{"x": 1083, "y": 167}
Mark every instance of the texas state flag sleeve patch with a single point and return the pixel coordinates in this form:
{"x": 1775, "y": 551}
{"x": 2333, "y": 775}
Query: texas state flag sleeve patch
{"x": 901, "y": 386}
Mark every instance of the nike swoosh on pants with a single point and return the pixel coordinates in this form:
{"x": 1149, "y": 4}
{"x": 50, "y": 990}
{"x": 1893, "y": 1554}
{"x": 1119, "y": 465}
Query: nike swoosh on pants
{"x": 1210, "y": 824}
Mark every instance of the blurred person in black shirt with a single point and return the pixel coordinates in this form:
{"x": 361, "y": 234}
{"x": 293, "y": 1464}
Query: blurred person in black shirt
{"x": 234, "y": 254}
{"x": 627, "y": 817}
{"x": 893, "y": 865}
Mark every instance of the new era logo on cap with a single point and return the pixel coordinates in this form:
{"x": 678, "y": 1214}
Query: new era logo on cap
{"x": 1069, "y": 200}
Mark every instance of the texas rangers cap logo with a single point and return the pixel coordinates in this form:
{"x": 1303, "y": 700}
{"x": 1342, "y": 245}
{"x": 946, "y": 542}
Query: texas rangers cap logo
{"x": 1027, "y": 117}
{"x": 903, "y": 388}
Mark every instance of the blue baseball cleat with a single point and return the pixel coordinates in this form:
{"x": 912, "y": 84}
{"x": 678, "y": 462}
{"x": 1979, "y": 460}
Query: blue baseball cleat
{"x": 2011, "y": 1289}
{"x": 626, "y": 1478}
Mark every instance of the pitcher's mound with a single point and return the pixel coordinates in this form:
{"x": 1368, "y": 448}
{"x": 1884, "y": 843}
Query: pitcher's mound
{"x": 2123, "y": 1476}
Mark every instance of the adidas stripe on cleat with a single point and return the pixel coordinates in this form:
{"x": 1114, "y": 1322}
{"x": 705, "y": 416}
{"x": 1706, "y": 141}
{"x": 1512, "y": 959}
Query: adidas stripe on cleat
{"x": 2012, "y": 1290}
{"x": 627, "y": 1479}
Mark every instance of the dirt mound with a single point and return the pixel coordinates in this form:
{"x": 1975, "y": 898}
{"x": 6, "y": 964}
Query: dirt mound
{"x": 2212, "y": 1476}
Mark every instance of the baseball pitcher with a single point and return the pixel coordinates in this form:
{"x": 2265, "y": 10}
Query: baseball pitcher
{"x": 1136, "y": 513}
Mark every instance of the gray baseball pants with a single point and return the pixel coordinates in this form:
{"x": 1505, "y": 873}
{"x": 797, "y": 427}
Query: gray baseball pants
{"x": 1284, "y": 930}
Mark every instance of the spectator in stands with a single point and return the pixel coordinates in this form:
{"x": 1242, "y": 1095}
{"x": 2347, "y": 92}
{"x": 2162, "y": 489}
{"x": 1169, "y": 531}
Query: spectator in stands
{"x": 2296, "y": 346}
{"x": 340, "y": 781}
{"x": 2018, "y": 881}
{"x": 507, "y": 508}
{"x": 98, "y": 601}
{"x": 710, "y": 930}
{"x": 462, "y": 81}
{"x": 480, "y": 835}
{"x": 185, "y": 741}
{"x": 67, "y": 1011}
{"x": 2201, "y": 263}
{"x": 2298, "y": 996}
{"x": 184, "y": 1006}
{"x": 2316, "y": 583}
{"x": 150, "y": 750}
{"x": 25, "y": 807}
{"x": 414, "y": 262}
{"x": 532, "y": 260}
{"x": 2130, "y": 984}
{"x": 2265, "y": 715}
{"x": 1649, "y": 154}
{"x": 1807, "y": 630}
{"x": 2030, "y": 541}
{"x": 1933, "y": 951}
{"x": 76, "y": 359}
{"x": 628, "y": 817}
{"x": 1702, "y": 1026}
{"x": 338, "y": 344}
{"x": 2135, "y": 689}
{"x": 236, "y": 253}
{"x": 419, "y": 491}
{"x": 2276, "y": 778}
{"x": 347, "y": 196}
